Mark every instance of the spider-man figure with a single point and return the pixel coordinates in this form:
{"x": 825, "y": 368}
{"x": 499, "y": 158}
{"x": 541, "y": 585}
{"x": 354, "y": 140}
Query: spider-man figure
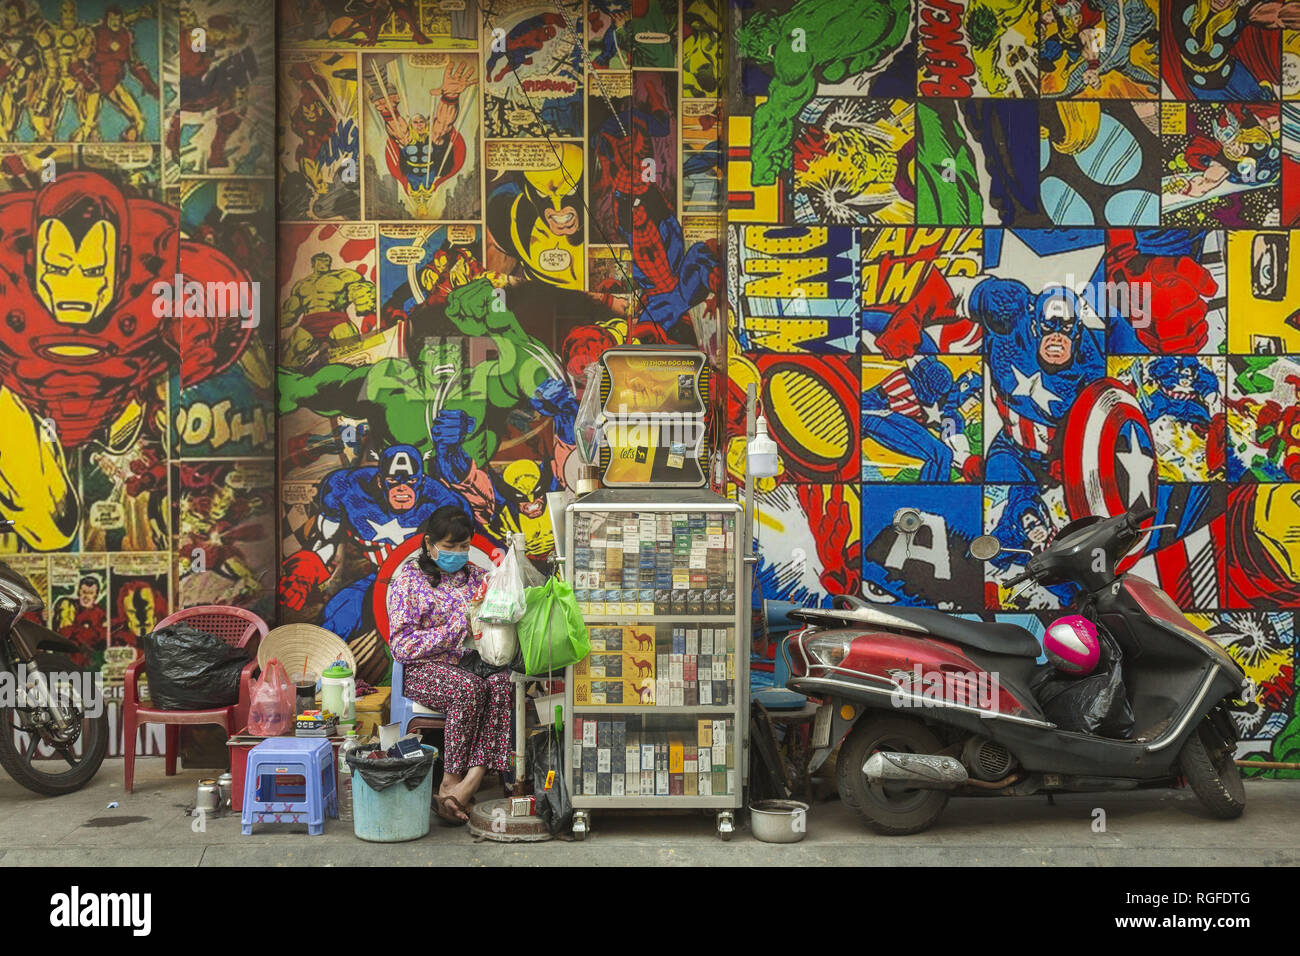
{"x": 672, "y": 278}
{"x": 84, "y": 341}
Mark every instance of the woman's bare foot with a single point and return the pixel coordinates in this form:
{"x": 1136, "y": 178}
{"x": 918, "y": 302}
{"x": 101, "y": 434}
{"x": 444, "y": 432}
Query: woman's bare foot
{"x": 453, "y": 808}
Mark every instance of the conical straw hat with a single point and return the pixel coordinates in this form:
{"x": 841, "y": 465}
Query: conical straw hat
{"x": 291, "y": 643}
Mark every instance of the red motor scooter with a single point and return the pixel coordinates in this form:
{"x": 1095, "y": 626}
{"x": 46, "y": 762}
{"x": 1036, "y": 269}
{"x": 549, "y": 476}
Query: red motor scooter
{"x": 924, "y": 705}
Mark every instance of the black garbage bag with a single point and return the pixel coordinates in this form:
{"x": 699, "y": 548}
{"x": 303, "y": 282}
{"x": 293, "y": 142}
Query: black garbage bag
{"x": 190, "y": 669}
{"x": 545, "y": 752}
{"x": 1097, "y": 704}
{"x": 387, "y": 771}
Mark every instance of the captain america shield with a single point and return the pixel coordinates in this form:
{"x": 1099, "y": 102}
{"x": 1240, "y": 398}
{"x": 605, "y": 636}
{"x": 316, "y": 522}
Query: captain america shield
{"x": 1108, "y": 456}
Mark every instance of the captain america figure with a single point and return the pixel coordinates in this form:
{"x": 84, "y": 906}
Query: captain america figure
{"x": 899, "y": 412}
{"x": 1043, "y": 347}
{"x": 378, "y": 507}
{"x": 1183, "y": 389}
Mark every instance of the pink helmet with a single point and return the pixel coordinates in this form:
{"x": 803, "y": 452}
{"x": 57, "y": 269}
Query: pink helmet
{"x": 1072, "y": 645}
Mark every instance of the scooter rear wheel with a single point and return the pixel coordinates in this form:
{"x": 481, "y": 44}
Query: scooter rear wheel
{"x": 1207, "y": 763}
{"x": 893, "y": 811}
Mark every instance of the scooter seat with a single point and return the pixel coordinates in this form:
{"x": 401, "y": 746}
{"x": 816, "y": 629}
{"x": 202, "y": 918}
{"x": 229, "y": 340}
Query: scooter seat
{"x": 994, "y": 637}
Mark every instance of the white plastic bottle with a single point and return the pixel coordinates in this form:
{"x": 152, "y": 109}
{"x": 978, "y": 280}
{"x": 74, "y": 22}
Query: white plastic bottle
{"x": 350, "y": 744}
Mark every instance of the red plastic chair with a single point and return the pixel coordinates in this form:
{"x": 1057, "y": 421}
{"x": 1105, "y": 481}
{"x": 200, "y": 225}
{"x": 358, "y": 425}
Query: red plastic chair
{"x": 233, "y": 625}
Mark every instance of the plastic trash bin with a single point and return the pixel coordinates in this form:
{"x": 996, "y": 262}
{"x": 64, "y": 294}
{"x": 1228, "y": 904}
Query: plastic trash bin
{"x": 397, "y": 812}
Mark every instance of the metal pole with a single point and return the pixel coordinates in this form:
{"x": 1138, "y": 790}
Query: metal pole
{"x": 747, "y": 588}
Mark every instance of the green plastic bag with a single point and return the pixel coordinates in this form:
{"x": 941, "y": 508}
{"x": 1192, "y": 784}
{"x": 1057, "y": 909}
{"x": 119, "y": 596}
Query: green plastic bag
{"x": 552, "y": 634}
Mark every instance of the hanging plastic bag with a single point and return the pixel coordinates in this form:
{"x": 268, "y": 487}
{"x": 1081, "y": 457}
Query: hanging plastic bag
{"x": 271, "y": 712}
{"x": 498, "y": 643}
{"x": 504, "y": 601}
{"x": 545, "y": 754}
{"x": 587, "y": 423}
{"x": 552, "y": 634}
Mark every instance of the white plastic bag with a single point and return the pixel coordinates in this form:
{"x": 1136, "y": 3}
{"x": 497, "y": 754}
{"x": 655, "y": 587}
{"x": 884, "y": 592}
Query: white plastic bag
{"x": 497, "y": 644}
{"x": 504, "y": 601}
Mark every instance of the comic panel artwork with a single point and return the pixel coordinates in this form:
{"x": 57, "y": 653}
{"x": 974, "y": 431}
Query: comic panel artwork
{"x": 319, "y": 136}
{"x": 421, "y": 134}
{"x": 978, "y": 48}
{"x": 222, "y": 120}
{"x": 533, "y": 73}
{"x": 520, "y": 204}
{"x": 1074, "y": 294}
{"x": 390, "y": 23}
{"x": 135, "y": 340}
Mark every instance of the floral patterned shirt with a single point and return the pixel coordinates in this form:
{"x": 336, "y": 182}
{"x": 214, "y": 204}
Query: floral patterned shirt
{"x": 427, "y": 621}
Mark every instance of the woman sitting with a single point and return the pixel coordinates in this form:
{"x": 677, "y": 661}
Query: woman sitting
{"x": 428, "y": 613}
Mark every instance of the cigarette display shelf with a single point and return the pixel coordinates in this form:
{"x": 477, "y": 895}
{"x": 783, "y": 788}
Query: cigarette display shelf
{"x": 658, "y": 575}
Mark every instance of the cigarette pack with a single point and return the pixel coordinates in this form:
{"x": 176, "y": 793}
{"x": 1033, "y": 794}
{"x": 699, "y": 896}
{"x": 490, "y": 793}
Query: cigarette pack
{"x": 705, "y": 736}
{"x": 632, "y": 783}
{"x": 706, "y": 785}
{"x": 604, "y": 786}
{"x": 676, "y": 785}
{"x": 691, "y": 782}
{"x": 675, "y": 755}
{"x": 616, "y": 785}
{"x": 661, "y": 783}
{"x": 589, "y": 783}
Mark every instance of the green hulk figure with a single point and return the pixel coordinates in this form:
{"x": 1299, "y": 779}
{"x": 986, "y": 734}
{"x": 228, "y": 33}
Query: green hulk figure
{"x": 837, "y": 39}
{"x": 429, "y": 403}
{"x": 319, "y": 302}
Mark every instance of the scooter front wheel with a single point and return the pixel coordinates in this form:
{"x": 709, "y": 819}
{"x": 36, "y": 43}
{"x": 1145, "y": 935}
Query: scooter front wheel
{"x": 892, "y": 810}
{"x": 1207, "y": 762}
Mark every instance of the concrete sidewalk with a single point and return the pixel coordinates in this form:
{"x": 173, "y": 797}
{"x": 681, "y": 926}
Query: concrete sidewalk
{"x": 1147, "y": 828}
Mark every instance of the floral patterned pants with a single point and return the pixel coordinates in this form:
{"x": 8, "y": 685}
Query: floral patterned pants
{"x": 479, "y": 713}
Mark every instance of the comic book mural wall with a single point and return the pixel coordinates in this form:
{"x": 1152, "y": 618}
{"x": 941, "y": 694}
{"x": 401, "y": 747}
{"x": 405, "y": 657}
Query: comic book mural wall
{"x": 1011, "y": 262}
{"x": 475, "y": 199}
{"x": 137, "y": 436}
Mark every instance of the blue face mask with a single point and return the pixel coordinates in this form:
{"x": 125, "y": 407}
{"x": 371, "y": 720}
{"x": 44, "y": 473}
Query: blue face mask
{"x": 452, "y": 560}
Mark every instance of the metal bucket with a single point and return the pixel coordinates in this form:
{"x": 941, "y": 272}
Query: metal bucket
{"x": 779, "y": 821}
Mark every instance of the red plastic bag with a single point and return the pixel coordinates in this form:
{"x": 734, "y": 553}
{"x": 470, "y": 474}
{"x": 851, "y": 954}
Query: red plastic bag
{"x": 271, "y": 711}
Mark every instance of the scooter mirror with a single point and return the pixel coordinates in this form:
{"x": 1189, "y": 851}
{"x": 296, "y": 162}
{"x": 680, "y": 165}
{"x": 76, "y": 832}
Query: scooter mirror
{"x": 985, "y": 547}
{"x": 907, "y": 521}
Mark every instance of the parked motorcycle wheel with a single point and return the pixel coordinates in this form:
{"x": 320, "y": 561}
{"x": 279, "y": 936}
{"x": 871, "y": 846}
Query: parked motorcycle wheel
{"x": 1208, "y": 763}
{"x": 93, "y": 736}
{"x": 893, "y": 811}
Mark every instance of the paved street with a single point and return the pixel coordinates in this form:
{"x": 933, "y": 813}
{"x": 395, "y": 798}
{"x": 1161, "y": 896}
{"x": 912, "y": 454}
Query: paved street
{"x": 1150, "y": 828}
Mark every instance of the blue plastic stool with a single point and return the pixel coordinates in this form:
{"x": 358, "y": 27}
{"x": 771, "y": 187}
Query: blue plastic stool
{"x": 312, "y": 758}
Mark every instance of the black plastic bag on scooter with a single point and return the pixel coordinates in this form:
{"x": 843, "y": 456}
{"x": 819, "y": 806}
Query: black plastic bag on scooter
{"x": 190, "y": 669}
{"x": 1097, "y": 704}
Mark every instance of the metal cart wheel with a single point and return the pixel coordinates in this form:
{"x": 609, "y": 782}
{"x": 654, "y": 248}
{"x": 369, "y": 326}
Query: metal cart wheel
{"x": 726, "y": 825}
{"x": 581, "y": 824}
